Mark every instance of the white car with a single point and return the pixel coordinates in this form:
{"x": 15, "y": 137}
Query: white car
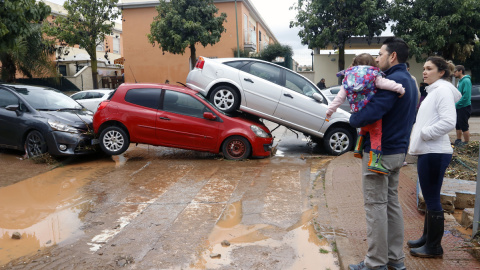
{"x": 331, "y": 93}
{"x": 274, "y": 93}
{"x": 91, "y": 98}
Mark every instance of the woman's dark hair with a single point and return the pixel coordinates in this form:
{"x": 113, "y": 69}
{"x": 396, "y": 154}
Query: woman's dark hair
{"x": 441, "y": 64}
{"x": 364, "y": 59}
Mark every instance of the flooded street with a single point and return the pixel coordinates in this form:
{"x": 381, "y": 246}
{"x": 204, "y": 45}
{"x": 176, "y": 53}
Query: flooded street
{"x": 164, "y": 208}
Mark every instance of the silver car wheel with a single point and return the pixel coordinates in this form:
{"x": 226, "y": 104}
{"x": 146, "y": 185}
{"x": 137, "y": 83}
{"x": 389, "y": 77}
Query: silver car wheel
{"x": 113, "y": 140}
{"x": 339, "y": 142}
{"x": 224, "y": 99}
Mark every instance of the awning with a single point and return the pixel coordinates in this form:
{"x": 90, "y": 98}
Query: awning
{"x": 119, "y": 61}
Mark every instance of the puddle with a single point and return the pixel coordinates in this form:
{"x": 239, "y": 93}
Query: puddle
{"x": 120, "y": 160}
{"x": 45, "y": 209}
{"x": 307, "y": 250}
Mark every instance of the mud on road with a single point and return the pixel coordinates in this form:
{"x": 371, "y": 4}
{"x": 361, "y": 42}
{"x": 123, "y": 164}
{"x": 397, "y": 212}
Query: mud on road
{"x": 161, "y": 208}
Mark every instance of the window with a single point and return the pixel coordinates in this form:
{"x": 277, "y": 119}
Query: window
{"x": 144, "y": 97}
{"x": 101, "y": 46}
{"x": 237, "y": 64}
{"x": 298, "y": 84}
{"x": 259, "y": 35}
{"x": 265, "y": 71}
{"x": 62, "y": 69}
{"x": 7, "y": 98}
{"x": 116, "y": 45}
{"x": 184, "y": 104}
{"x": 245, "y": 28}
{"x": 96, "y": 95}
{"x": 81, "y": 95}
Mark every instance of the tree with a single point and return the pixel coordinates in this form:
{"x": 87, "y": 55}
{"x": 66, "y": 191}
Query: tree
{"x": 184, "y": 23}
{"x": 437, "y": 27}
{"x": 275, "y": 50}
{"x": 30, "y": 55}
{"x": 18, "y": 29}
{"x": 86, "y": 24}
{"x": 333, "y": 22}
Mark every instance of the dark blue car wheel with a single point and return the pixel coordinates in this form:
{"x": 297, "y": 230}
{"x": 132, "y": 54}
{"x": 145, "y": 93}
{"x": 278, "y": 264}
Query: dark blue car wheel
{"x": 35, "y": 144}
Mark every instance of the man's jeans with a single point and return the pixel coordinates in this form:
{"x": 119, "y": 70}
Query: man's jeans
{"x": 384, "y": 214}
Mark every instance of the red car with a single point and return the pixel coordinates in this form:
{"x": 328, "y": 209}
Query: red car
{"x": 174, "y": 116}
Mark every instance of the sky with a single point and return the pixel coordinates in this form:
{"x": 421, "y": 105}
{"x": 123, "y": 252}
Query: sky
{"x": 278, "y": 20}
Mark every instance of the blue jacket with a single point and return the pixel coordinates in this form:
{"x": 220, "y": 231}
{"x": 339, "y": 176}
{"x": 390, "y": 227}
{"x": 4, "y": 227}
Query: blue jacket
{"x": 397, "y": 114}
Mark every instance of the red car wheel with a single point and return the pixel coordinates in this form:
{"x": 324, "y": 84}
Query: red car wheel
{"x": 236, "y": 148}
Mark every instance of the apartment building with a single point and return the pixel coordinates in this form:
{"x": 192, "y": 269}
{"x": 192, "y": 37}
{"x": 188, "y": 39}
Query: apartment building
{"x": 146, "y": 63}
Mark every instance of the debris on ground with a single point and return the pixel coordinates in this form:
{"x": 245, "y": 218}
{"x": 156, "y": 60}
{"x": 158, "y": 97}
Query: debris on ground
{"x": 16, "y": 235}
{"x": 464, "y": 162}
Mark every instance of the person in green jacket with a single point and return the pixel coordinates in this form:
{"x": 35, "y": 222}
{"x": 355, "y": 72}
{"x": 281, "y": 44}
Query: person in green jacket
{"x": 463, "y": 106}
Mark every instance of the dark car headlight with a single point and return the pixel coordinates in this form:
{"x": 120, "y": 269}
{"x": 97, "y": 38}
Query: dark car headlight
{"x": 259, "y": 131}
{"x": 58, "y": 126}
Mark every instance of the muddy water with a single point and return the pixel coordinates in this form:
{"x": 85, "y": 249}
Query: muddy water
{"x": 45, "y": 209}
{"x": 308, "y": 250}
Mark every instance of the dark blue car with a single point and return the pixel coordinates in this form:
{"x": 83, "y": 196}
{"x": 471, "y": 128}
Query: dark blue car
{"x": 39, "y": 119}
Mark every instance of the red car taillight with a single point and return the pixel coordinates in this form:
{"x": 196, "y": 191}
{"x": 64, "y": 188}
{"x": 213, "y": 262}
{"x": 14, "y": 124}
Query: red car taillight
{"x": 200, "y": 63}
{"x": 102, "y": 105}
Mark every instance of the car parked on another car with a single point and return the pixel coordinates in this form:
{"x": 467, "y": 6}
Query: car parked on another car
{"x": 91, "y": 98}
{"x": 39, "y": 119}
{"x": 332, "y": 92}
{"x": 476, "y": 99}
{"x": 274, "y": 93}
{"x": 175, "y": 116}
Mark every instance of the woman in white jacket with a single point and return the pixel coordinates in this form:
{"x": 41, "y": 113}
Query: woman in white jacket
{"x": 430, "y": 142}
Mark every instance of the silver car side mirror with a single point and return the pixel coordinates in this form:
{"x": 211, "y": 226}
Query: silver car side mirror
{"x": 318, "y": 97}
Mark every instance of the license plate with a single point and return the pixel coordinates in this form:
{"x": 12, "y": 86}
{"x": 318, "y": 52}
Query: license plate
{"x": 95, "y": 141}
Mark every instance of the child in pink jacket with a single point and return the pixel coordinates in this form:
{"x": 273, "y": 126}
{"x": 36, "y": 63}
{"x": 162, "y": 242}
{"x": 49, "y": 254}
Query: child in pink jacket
{"x": 360, "y": 84}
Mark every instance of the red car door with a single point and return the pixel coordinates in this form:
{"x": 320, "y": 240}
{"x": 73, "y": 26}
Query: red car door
{"x": 180, "y": 123}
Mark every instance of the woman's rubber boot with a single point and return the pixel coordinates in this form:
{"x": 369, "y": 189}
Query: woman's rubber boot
{"x": 423, "y": 239}
{"x": 375, "y": 162}
{"x": 433, "y": 245}
{"x": 358, "y": 151}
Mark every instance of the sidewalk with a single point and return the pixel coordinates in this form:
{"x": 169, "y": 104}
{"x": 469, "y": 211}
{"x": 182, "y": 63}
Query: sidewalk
{"x": 344, "y": 196}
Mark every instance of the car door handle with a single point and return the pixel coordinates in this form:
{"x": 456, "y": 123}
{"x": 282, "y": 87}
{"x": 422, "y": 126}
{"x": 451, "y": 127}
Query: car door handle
{"x": 248, "y": 80}
{"x": 164, "y": 118}
{"x": 288, "y": 95}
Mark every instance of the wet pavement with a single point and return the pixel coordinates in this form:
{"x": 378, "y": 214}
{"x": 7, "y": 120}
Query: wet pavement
{"x": 163, "y": 208}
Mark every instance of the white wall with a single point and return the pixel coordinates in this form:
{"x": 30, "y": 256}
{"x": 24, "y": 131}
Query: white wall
{"x": 324, "y": 67}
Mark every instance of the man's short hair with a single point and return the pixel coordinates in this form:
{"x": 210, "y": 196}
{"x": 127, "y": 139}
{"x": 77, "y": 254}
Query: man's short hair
{"x": 398, "y": 45}
{"x": 460, "y": 68}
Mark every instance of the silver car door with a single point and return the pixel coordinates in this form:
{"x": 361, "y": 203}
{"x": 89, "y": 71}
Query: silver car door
{"x": 297, "y": 104}
{"x": 261, "y": 83}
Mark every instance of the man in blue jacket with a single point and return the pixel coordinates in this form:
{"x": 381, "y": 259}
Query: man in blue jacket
{"x": 383, "y": 211}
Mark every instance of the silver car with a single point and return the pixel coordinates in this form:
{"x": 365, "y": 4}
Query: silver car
{"x": 274, "y": 93}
